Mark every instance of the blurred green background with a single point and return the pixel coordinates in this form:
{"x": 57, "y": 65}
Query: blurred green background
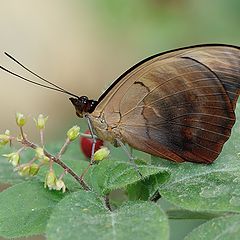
{"x": 84, "y": 45}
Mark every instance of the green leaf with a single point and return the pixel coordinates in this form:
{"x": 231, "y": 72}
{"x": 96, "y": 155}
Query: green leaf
{"x": 224, "y": 228}
{"x": 110, "y": 175}
{"x": 201, "y": 187}
{"x": 138, "y": 191}
{"x": 196, "y": 187}
{"x": 82, "y": 215}
{"x": 185, "y": 214}
{"x": 25, "y": 209}
{"x": 147, "y": 188}
{"x": 7, "y": 175}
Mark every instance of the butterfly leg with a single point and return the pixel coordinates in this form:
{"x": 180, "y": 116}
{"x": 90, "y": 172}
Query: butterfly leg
{"x": 129, "y": 154}
{"x": 93, "y": 148}
{"x": 94, "y": 139}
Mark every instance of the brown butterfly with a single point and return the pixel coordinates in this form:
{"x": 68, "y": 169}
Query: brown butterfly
{"x": 178, "y": 105}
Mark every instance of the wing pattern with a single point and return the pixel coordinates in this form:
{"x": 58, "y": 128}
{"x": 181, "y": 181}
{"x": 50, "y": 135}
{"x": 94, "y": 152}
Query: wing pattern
{"x": 179, "y": 105}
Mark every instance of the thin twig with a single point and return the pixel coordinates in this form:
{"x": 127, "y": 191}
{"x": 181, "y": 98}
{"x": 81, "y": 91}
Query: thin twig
{"x": 88, "y": 135}
{"x": 20, "y": 150}
{"x": 156, "y": 196}
{"x": 64, "y": 147}
{"x": 33, "y": 160}
{"x": 85, "y": 170}
{"x": 107, "y": 202}
{"x": 62, "y": 175}
{"x": 42, "y": 137}
{"x": 67, "y": 169}
{"x": 22, "y": 133}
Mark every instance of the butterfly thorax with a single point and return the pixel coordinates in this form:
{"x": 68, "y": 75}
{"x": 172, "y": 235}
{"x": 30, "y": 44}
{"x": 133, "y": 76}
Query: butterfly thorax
{"x": 103, "y": 129}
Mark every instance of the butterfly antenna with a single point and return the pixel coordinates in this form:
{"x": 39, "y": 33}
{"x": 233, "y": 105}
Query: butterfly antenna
{"x": 36, "y": 83}
{"x": 57, "y": 88}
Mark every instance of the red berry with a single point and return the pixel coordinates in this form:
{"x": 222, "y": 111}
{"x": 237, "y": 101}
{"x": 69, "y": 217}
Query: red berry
{"x": 86, "y": 145}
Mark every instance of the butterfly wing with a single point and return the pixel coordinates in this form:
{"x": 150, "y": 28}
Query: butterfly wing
{"x": 225, "y": 63}
{"x": 179, "y": 105}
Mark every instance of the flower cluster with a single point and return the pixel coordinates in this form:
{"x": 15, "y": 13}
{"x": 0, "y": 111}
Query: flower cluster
{"x": 42, "y": 157}
{"x": 32, "y": 167}
{"x": 5, "y": 138}
{"x": 52, "y": 182}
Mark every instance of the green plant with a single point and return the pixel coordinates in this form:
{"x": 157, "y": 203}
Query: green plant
{"x": 112, "y": 201}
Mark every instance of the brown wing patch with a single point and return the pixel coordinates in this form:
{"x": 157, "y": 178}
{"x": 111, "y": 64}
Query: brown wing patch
{"x": 183, "y": 115}
{"x": 225, "y": 63}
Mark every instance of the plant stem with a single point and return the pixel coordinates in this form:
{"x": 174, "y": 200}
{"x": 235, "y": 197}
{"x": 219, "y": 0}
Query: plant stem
{"x": 67, "y": 169}
{"x": 88, "y": 135}
{"x": 62, "y": 175}
{"x": 22, "y": 133}
{"x": 85, "y": 171}
{"x": 33, "y": 160}
{"x": 156, "y": 196}
{"x": 42, "y": 137}
{"x": 63, "y": 149}
{"x": 21, "y": 149}
{"x": 107, "y": 203}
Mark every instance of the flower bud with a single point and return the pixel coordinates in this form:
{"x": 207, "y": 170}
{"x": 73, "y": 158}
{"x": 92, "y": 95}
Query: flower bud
{"x": 41, "y": 121}
{"x": 101, "y": 154}
{"x": 45, "y": 160}
{"x": 5, "y": 138}
{"x": 20, "y": 119}
{"x": 13, "y": 158}
{"x": 34, "y": 168}
{"x": 7, "y": 132}
{"x": 60, "y": 185}
{"x": 39, "y": 152}
{"x": 28, "y": 169}
{"x": 24, "y": 170}
{"x": 50, "y": 180}
{"x": 20, "y": 138}
{"x": 73, "y": 133}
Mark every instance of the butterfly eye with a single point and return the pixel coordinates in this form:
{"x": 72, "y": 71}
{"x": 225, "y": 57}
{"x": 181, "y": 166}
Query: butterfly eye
{"x": 83, "y": 99}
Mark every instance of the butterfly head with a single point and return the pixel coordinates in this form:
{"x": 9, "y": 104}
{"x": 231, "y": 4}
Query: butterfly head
{"x": 83, "y": 105}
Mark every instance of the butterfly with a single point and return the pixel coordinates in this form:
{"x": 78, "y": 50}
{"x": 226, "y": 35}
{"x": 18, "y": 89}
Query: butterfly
{"x": 178, "y": 105}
